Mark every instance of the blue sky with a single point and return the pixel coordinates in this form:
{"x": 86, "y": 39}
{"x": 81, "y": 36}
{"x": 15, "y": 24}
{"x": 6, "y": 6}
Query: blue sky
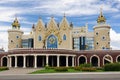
{"x": 79, "y": 12}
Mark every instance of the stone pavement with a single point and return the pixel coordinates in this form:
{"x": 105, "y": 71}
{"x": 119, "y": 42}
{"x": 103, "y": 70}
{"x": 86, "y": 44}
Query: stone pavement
{"x": 19, "y": 71}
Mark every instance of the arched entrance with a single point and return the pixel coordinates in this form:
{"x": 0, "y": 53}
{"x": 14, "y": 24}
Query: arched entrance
{"x": 82, "y": 60}
{"x": 107, "y": 59}
{"x": 52, "y": 42}
{"x": 95, "y": 61}
{"x": 4, "y": 61}
{"x": 118, "y": 58}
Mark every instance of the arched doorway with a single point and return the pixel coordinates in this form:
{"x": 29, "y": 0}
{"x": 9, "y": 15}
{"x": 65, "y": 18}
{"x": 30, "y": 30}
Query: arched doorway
{"x": 82, "y": 60}
{"x": 107, "y": 59}
{"x": 95, "y": 61}
{"x": 4, "y": 61}
{"x": 118, "y": 58}
{"x": 52, "y": 41}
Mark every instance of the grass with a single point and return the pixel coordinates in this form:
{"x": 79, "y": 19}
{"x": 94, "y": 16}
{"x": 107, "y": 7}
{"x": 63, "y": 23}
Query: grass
{"x": 3, "y": 68}
{"x": 52, "y": 71}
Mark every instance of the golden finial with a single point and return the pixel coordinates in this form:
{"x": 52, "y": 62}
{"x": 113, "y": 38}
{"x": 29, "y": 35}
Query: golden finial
{"x": 16, "y": 24}
{"x": 101, "y": 18}
{"x": 64, "y": 14}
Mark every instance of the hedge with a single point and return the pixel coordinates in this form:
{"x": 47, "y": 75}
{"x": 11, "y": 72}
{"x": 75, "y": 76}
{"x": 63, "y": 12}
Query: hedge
{"x": 112, "y": 67}
{"x": 4, "y": 68}
{"x": 61, "y": 69}
{"x": 90, "y": 69}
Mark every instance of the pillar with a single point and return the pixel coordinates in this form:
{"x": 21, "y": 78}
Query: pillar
{"x": 73, "y": 61}
{"x": 35, "y": 63}
{"x": 15, "y": 61}
{"x": 43, "y": 61}
{"x": 10, "y": 63}
{"x": 24, "y": 61}
{"x": 66, "y": 61}
{"x": 58, "y": 61}
{"x": 46, "y": 60}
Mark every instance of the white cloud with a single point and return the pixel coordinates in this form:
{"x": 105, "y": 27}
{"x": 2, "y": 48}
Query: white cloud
{"x": 115, "y": 39}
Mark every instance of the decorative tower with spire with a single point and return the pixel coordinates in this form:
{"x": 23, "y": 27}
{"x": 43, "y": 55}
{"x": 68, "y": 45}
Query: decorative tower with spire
{"x": 101, "y": 33}
{"x": 15, "y": 35}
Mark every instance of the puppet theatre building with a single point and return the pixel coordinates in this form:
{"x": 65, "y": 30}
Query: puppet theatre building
{"x": 59, "y": 44}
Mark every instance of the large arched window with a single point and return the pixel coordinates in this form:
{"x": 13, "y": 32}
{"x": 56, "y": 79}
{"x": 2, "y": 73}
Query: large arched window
{"x": 39, "y": 38}
{"x": 64, "y": 37}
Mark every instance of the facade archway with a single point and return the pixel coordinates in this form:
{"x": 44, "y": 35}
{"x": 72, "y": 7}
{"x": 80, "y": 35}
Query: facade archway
{"x": 4, "y": 61}
{"x": 82, "y": 59}
{"x": 95, "y": 60}
{"x": 107, "y": 59}
{"x": 118, "y": 58}
{"x": 52, "y": 41}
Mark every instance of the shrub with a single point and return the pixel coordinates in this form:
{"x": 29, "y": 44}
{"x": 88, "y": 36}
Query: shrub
{"x": 90, "y": 69}
{"x": 4, "y": 68}
{"x": 61, "y": 69}
{"x": 85, "y": 65}
{"x": 77, "y": 68}
{"x": 112, "y": 67}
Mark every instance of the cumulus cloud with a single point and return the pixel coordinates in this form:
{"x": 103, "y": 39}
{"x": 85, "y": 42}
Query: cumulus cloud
{"x": 115, "y": 39}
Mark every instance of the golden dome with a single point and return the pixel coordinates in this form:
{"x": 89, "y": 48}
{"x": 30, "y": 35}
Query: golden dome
{"x": 16, "y": 24}
{"x": 101, "y": 18}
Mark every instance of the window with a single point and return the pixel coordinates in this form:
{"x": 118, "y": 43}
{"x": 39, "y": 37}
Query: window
{"x": 97, "y": 43}
{"x": 17, "y": 37}
{"x": 103, "y": 38}
{"x": 64, "y": 37}
{"x": 103, "y": 47}
{"x": 39, "y": 38}
{"x": 96, "y": 33}
{"x": 16, "y": 46}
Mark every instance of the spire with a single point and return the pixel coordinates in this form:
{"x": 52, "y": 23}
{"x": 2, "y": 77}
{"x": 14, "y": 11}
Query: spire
{"x": 16, "y": 24}
{"x": 101, "y": 18}
{"x": 33, "y": 26}
{"x": 64, "y": 14}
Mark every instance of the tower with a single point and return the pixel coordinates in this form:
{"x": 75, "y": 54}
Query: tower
{"x": 101, "y": 33}
{"x": 15, "y": 36}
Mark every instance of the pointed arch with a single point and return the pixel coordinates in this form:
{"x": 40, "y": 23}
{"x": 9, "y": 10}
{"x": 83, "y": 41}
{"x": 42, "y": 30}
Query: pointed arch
{"x": 52, "y": 41}
{"x": 39, "y": 38}
{"x": 64, "y": 37}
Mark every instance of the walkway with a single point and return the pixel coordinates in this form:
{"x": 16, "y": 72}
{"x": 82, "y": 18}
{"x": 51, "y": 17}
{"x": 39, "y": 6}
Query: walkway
{"x": 19, "y": 71}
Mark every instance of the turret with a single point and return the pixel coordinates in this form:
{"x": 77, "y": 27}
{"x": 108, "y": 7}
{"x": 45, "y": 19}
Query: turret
{"x": 101, "y": 33}
{"x": 15, "y": 35}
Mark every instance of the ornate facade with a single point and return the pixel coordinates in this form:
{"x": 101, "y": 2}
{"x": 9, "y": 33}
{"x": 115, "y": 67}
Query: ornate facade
{"x": 59, "y": 44}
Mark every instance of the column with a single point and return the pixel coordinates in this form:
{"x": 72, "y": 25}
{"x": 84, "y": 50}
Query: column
{"x": 72, "y": 61}
{"x": 24, "y": 61}
{"x": 10, "y": 58}
{"x": 8, "y": 62}
{"x": 66, "y": 61}
{"x": 46, "y": 60}
{"x": 15, "y": 61}
{"x": 35, "y": 63}
{"x": 43, "y": 61}
{"x": 58, "y": 61}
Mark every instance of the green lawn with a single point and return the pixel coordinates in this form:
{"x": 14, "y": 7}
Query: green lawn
{"x": 52, "y": 71}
